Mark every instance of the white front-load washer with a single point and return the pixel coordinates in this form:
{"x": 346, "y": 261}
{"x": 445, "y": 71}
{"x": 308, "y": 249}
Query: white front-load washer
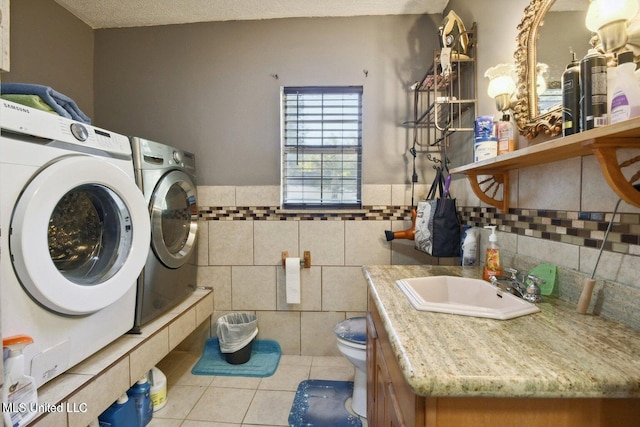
{"x": 75, "y": 235}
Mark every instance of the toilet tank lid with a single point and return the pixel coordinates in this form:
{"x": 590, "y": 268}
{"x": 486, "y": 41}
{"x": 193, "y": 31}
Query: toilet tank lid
{"x": 354, "y": 330}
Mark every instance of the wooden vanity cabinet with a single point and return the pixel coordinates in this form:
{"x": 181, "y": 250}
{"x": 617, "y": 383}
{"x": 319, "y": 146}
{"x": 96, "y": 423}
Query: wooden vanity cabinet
{"x": 390, "y": 400}
{"x": 392, "y": 403}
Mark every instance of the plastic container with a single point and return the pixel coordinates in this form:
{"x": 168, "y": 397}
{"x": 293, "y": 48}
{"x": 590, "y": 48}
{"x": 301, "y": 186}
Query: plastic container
{"x": 19, "y": 391}
{"x": 625, "y": 102}
{"x": 140, "y": 393}
{"x": 241, "y": 356}
{"x": 483, "y": 128}
{"x": 122, "y": 413}
{"x": 236, "y": 332}
{"x": 612, "y": 78}
{"x": 158, "y": 390}
{"x": 571, "y": 98}
{"x": 485, "y": 149}
{"x": 470, "y": 247}
{"x": 492, "y": 263}
{"x": 506, "y": 135}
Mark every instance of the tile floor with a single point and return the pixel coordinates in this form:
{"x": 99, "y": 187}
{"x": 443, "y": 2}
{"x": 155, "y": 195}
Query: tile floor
{"x": 217, "y": 401}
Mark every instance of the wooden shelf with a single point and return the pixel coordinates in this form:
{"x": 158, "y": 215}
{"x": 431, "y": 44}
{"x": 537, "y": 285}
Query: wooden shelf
{"x": 489, "y": 178}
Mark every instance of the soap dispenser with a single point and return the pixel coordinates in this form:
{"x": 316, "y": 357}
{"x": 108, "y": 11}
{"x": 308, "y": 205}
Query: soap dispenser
{"x": 492, "y": 264}
{"x": 19, "y": 392}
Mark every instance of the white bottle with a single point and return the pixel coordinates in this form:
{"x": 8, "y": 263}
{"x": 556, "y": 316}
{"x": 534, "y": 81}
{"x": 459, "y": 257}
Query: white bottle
{"x": 470, "y": 248}
{"x": 612, "y": 80}
{"x": 19, "y": 392}
{"x": 625, "y": 102}
{"x": 158, "y": 388}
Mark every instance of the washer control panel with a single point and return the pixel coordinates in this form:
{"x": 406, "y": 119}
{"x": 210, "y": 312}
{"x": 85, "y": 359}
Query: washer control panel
{"x": 20, "y": 119}
{"x": 150, "y": 155}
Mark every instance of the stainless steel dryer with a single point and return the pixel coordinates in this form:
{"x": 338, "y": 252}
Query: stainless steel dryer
{"x": 167, "y": 177}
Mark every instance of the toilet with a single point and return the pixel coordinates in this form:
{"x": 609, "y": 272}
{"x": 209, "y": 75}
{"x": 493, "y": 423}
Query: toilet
{"x": 352, "y": 343}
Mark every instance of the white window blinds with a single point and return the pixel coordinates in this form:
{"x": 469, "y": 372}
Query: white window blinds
{"x": 321, "y": 147}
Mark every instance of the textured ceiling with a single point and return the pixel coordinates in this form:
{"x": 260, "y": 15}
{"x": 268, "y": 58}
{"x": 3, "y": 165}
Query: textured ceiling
{"x": 140, "y": 13}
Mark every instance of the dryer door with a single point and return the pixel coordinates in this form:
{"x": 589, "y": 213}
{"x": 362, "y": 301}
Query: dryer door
{"x": 174, "y": 218}
{"x": 79, "y": 235}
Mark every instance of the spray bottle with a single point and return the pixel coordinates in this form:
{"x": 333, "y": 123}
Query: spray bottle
{"x": 492, "y": 264}
{"x": 593, "y": 90}
{"x": 571, "y": 98}
{"x": 19, "y": 392}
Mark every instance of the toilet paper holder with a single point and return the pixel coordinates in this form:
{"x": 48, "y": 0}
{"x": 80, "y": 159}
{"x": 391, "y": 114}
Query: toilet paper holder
{"x": 305, "y": 261}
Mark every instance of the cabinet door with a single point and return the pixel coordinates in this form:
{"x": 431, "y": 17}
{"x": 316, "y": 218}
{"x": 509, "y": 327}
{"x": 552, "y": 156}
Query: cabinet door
{"x": 379, "y": 411}
{"x": 388, "y": 411}
{"x": 383, "y": 409}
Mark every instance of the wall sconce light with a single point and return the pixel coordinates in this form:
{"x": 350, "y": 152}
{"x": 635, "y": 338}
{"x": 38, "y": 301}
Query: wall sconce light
{"x": 609, "y": 19}
{"x": 501, "y": 85}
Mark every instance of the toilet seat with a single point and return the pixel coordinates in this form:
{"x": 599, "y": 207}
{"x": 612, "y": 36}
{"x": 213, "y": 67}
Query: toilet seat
{"x": 352, "y": 330}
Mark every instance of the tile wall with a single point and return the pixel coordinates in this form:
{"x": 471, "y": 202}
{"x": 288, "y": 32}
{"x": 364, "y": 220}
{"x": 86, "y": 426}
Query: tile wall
{"x": 243, "y": 234}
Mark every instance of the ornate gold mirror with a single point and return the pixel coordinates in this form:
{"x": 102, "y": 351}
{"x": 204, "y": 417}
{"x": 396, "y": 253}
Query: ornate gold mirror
{"x": 546, "y": 45}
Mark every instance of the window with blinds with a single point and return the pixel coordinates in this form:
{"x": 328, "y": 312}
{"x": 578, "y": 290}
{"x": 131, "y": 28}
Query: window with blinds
{"x": 321, "y": 147}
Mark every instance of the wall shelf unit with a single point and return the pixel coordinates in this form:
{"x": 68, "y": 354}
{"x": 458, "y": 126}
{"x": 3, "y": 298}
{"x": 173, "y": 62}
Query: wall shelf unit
{"x": 444, "y": 99}
{"x": 489, "y": 178}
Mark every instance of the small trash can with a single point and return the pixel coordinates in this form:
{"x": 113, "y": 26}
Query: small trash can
{"x": 236, "y": 332}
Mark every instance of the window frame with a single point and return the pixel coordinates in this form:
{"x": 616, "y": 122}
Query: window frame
{"x": 327, "y": 146}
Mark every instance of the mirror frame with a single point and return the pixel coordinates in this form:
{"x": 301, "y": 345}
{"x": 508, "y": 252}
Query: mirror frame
{"x": 525, "y": 108}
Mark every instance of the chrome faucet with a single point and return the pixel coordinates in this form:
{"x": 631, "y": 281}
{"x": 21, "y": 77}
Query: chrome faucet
{"x": 516, "y": 284}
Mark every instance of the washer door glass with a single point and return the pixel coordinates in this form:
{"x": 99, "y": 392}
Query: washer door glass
{"x": 174, "y": 219}
{"x": 79, "y": 235}
{"x": 89, "y": 236}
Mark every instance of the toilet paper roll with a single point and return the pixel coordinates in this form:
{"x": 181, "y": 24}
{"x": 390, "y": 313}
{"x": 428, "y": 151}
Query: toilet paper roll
{"x": 292, "y": 279}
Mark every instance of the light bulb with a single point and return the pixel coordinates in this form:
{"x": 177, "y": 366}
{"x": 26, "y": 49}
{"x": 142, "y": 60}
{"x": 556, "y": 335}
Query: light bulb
{"x": 603, "y": 12}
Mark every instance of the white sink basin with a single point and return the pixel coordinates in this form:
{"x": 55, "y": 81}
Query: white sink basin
{"x": 464, "y": 296}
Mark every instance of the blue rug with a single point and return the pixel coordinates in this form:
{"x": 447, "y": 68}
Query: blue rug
{"x": 322, "y": 403}
{"x": 265, "y": 356}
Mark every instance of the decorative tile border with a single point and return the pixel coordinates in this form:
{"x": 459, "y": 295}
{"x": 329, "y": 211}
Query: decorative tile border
{"x": 270, "y": 213}
{"x": 577, "y": 228}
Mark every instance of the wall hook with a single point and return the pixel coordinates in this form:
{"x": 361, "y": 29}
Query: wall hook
{"x": 366, "y": 73}
{"x": 275, "y": 76}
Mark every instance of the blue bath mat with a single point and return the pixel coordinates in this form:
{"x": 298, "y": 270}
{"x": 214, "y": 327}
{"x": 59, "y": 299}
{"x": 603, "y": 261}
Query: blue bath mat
{"x": 265, "y": 356}
{"x": 322, "y": 403}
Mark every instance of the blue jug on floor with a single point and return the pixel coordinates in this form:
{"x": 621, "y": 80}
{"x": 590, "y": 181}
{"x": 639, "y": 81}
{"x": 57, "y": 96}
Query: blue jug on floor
{"x": 122, "y": 413}
{"x": 140, "y": 393}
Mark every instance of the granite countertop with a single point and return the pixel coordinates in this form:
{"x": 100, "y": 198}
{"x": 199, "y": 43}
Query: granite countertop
{"x": 553, "y": 353}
